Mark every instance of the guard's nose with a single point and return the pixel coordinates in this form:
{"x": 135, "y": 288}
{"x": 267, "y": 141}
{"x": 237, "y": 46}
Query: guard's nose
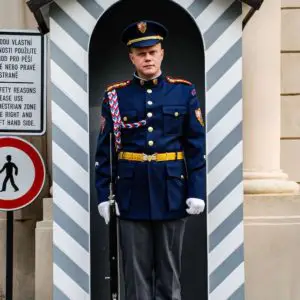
{"x": 148, "y": 57}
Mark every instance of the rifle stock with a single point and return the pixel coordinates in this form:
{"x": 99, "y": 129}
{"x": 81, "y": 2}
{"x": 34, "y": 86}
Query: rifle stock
{"x": 113, "y": 237}
{"x": 113, "y": 251}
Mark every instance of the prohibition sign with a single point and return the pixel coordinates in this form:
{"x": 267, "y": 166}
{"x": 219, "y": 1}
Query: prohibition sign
{"x": 23, "y": 170}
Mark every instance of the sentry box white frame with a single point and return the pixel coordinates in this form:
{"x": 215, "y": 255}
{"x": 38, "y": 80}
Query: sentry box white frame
{"x": 72, "y": 24}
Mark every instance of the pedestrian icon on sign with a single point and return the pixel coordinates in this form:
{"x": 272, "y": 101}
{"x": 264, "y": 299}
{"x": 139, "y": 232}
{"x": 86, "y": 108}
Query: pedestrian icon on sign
{"x": 9, "y": 167}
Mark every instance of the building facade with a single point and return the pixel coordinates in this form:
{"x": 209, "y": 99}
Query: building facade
{"x": 271, "y": 94}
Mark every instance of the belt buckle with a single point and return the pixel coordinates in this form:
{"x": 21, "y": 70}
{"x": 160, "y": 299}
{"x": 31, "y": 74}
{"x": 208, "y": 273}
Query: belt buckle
{"x": 150, "y": 157}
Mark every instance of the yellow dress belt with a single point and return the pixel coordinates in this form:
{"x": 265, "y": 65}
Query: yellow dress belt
{"x": 142, "y": 157}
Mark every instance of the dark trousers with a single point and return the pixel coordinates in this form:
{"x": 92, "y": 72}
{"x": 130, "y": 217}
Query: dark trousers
{"x": 152, "y": 259}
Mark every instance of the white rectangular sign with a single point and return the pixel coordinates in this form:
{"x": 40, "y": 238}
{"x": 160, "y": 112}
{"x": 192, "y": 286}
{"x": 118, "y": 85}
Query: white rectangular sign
{"x": 22, "y": 99}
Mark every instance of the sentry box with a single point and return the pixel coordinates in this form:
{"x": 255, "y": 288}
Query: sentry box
{"x": 204, "y": 47}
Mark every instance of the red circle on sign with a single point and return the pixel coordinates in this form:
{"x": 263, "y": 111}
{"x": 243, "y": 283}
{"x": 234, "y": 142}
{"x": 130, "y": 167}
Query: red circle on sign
{"x": 39, "y": 178}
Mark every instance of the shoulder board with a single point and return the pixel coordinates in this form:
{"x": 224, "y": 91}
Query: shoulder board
{"x": 117, "y": 85}
{"x": 178, "y": 80}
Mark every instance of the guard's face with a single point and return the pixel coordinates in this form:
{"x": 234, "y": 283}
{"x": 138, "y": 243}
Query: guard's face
{"x": 147, "y": 60}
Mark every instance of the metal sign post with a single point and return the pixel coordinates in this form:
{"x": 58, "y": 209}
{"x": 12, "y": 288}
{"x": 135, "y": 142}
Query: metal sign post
{"x": 9, "y": 254}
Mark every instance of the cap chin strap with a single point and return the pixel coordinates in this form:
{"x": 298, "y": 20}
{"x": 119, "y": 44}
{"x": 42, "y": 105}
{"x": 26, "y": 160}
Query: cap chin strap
{"x": 146, "y": 38}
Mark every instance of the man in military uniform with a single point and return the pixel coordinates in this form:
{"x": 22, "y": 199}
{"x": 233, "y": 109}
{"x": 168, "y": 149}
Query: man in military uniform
{"x": 158, "y": 165}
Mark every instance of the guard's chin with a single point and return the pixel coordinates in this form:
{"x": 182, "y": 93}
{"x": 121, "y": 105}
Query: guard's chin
{"x": 149, "y": 72}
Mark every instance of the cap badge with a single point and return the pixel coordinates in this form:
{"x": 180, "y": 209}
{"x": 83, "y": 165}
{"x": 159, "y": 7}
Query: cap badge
{"x": 142, "y": 27}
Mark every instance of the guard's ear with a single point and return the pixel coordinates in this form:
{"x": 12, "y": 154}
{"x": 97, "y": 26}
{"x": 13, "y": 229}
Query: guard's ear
{"x": 131, "y": 57}
{"x": 163, "y": 52}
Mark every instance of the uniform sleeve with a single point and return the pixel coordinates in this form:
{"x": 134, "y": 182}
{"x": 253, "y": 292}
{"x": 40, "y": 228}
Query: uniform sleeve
{"x": 102, "y": 159}
{"x": 194, "y": 148}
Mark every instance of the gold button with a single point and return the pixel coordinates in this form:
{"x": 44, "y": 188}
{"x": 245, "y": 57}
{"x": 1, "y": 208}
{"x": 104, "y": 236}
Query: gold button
{"x": 125, "y": 119}
{"x": 182, "y": 177}
{"x": 149, "y": 114}
{"x": 150, "y": 102}
{"x": 176, "y": 114}
{"x": 150, "y": 143}
{"x": 150, "y": 129}
{"x": 149, "y": 91}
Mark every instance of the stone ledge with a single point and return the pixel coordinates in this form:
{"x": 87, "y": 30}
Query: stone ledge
{"x": 270, "y": 186}
{"x": 271, "y": 205}
{"x": 44, "y": 225}
{"x": 43, "y": 251}
{"x": 272, "y": 243}
{"x": 47, "y": 209}
{"x": 290, "y": 3}
{"x": 43, "y": 261}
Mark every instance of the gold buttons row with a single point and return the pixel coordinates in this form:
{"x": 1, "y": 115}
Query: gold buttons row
{"x": 150, "y": 115}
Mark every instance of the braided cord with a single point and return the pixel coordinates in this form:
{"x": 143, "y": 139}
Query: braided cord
{"x": 116, "y": 117}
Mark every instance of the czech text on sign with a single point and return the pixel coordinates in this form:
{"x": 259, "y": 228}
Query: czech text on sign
{"x": 22, "y": 101}
{"x": 22, "y": 173}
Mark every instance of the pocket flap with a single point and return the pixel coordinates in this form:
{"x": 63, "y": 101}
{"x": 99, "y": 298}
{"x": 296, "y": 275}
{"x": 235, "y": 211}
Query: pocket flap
{"x": 129, "y": 115}
{"x": 125, "y": 171}
{"x": 174, "y": 170}
{"x": 174, "y": 110}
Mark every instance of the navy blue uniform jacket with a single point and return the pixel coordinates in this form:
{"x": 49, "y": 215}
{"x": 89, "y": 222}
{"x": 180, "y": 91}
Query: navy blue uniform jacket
{"x": 154, "y": 190}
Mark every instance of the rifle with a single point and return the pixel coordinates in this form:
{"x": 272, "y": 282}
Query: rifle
{"x": 113, "y": 238}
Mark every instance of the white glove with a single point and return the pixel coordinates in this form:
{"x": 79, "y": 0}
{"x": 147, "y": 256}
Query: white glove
{"x": 104, "y": 210}
{"x": 196, "y": 206}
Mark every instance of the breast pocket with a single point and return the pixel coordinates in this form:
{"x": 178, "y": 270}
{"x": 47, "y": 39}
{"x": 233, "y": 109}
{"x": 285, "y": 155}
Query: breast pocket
{"x": 173, "y": 118}
{"x": 124, "y": 185}
{"x": 176, "y": 186}
{"x": 129, "y": 116}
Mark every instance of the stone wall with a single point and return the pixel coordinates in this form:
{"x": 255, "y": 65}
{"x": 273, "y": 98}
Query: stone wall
{"x": 272, "y": 242}
{"x": 14, "y": 14}
{"x": 290, "y": 89}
